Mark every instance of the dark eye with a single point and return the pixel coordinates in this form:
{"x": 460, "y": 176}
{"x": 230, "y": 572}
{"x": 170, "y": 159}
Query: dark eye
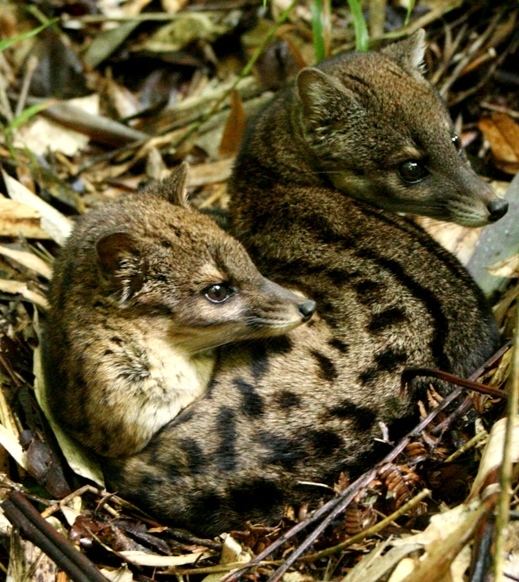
{"x": 412, "y": 171}
{"x": 457, "y": 142}
{"x": 218, "y": 293}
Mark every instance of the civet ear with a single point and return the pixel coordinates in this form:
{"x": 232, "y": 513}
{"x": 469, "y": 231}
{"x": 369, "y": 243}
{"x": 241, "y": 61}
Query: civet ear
{"x": 409, "y": 53}
{"x": 319, "y": 94}
{"x": 174, "y": 187}
{"x": 113, "y": 248}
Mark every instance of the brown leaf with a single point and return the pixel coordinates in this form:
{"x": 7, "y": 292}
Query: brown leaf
{"x": 45, "y": 466}
{"x": 234, "y": 127}
{"x": 502, "y": 132}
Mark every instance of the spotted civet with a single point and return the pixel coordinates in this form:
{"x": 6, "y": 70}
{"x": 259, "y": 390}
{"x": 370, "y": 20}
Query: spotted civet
{"x": 143, "y": 291}
{"x": 320, "y": 174}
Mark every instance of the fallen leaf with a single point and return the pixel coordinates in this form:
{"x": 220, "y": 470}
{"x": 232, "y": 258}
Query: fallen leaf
{"x": 20, "y": 220}
{"x": 80, "y": 461}
{"x": 56, "y": 224}
{"x": 27, "y": 260}
{"x": 144, "y": 559}
{"x": 502, "y": 133}
{"x": 234, "y": 128}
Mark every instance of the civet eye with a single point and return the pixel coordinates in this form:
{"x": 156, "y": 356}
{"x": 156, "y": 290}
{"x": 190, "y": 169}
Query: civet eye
{"x": 457, "y": 142}
{"x": 218, "y": 293}
{"x": 412, "y": 171}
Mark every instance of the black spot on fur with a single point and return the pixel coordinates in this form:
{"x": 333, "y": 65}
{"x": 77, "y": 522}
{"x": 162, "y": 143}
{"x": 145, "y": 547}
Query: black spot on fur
{"x": 203, "y": 507}
{"x": 368, "y": 375}
{"x": 327, "y": 370}
{"x": 116, "y": 340}
{"x": 98, "y": 304}
{"x": 286, "y": 399}
{"x": 280, "y": 345}
{"x": 225, "y": 455}
{"x": 283, "y": 451}
{"x": 324, "y": 442}
{"x": 252, "y": 403}
{"x": 259, "y": 360}
{"x": 195, "y": 457}
{"x": 386, "y": 318}
{"x": 165, "y": 244}
{"x": 108, "y": 352}
{"x": 339, "y": 345}
{"x": 183, "y": 416}
{"x": 255, "y": 495}
{"x": 386, "y": 361}
{"x": 365, "y": 288}
{"x": 338, "y": 276}
{"x": 362, "y": 416}
{"x": 427, "y": 297}
{"x": 390, "y": 359}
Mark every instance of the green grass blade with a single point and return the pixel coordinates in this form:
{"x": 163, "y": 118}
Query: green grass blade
{"x": 318, "y": 30}
{"x": 410, "y": 8}
{"x": 7, "y": 42}
{"x": 359, "y": 24}
{"x": 26, "y": 114}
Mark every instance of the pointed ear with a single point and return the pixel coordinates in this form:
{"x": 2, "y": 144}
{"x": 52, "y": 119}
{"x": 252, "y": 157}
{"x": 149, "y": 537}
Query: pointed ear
{"x": 113, "y": 248}
{"x": 408, "y": 53}
{"x": 321, "y": 94}
{"x": 174, "y": 187}
{"x": 120, "y": 262}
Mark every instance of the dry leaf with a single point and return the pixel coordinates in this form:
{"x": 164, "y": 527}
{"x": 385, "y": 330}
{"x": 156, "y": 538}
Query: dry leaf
{"x": 21, "y": 288}
{"x": 28, "y": 260}
{"x": 53, "y": 222}
{"x": 79, "y": 460}
{"x": 44, "y": 134}
{"x": 234, "y": 128}
{"x": 493, "y": 453}
{"x": 502, "y": 133}
{"x": 506, "y": 268}
{"x": 20, "y": 220}
{"x": 144, "y": 559}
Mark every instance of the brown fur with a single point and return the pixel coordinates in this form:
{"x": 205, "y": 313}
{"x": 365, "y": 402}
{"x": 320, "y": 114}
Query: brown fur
{"x": 305, "y": 407}
{"x": 131, "y": 333}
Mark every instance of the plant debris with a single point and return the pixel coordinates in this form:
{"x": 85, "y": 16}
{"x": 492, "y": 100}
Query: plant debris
{"x": 99, "y": 98}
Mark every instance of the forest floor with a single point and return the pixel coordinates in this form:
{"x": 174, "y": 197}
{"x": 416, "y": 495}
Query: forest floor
{"x": 98, "y": 99}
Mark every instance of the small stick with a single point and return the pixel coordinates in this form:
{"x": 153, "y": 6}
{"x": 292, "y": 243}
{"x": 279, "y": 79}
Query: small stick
{"x": 409, "y": 373}
{"x": 32, "y": 63}
{"x": 444, "y": 425}
{"x": 371, "y": 530}
{"x": 24, "y": 516}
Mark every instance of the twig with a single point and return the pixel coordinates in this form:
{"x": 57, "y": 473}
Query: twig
{"x": 337, "y": 505}
{"x": 371, "y": 530}
{"x": 77, "y": 493}
{"x": 505, "y": 481}
{"x": 445, "y": 424}
{"x": 32, "y": 63}
{"x": 24, "y": 516}
{"x": 467, "y": 446}
{"x": 409, "y": 373}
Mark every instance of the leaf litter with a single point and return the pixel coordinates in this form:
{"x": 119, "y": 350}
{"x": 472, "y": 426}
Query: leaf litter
{"x": 171, "y": 81}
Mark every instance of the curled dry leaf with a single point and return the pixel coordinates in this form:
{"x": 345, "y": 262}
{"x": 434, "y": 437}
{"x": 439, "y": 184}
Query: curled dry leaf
{"x": 506, "y": 268}
{"x": 79, "y": 460}
{"x": 53, "y": 222}
{"x": 493, "y": 454}
{"x": 502, "y": 133}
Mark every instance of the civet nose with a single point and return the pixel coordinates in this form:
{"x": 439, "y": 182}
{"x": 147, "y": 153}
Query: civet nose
{"x": 497, "y": 208}
{"x": 307, "y": 309}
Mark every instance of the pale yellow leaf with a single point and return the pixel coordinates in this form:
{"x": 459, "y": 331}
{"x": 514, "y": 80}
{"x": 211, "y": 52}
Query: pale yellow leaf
{"x": 56, "y": 224}
{"x": 28, "y": 260}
